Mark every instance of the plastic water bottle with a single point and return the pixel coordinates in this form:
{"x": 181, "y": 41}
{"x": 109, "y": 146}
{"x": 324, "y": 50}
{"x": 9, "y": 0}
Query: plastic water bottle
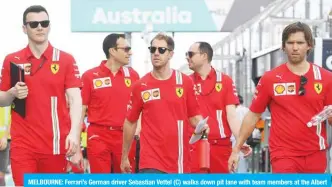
{"x": 320, "y": 117}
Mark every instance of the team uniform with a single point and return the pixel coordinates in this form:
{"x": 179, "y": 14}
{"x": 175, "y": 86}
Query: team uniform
{"x": 106, "y": 97}
{"x": 166, "y": 106}
{"x": 294, "y": 147}
{"x": 38, "y": 140}
{"x": 214, "y": 94}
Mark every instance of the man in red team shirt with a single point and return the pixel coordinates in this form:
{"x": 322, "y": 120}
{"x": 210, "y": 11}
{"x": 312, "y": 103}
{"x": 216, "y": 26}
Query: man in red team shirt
{"x": 48, "y": 133}
{"x": 167, "y": 101}
{"x": 106, "y": 92}
{"x": 295, "y": 91}
{"x": 217, "y": 99}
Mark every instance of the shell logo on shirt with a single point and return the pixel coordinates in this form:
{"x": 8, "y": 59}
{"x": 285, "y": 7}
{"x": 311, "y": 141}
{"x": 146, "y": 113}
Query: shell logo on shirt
{"x": 146, "y": 95}
{"x": 152, "y": 94}
{"x": 179, "y": 92}
{"x": 127, "y": 82}
{"x": 98, "y": 83}
{"x": 218, "y": 87}
{"x": 102, "y": 82}
{"x": 55, "y": 68}
{"x": 318, "y": 87}
{"x": 279, "y": 89}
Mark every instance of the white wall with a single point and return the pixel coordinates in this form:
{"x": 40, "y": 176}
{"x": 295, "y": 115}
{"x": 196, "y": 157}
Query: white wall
{"x": 85, "y": 47}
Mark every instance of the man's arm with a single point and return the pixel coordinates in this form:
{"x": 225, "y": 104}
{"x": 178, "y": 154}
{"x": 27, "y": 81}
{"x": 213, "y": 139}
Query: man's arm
{"x": 84, "y": 107}
{"x": 129, "y": 129}
{"x": 75, "y": 109}
{"x": 20, "y": 91}
{"x": 6, "y": 98}
{"x": 139, "y": 125}
{"x": 248, "y": 125}
{"x": 233, "y": 121}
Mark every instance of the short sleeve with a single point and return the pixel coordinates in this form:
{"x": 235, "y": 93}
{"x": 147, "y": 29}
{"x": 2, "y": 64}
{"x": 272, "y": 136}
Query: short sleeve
{"x": 86, "y": 89}
{"x": 72, "y": 79}
{"x": 192, "y": 103}
{"x": 135, "y": 104}
{"x": 261, "y": 97}
{"x": 231, "y": 97}
{"x": 5, "y": 76}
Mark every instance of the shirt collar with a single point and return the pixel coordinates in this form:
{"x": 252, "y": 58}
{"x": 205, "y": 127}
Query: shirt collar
{"x": 209, "y": 76}
{"x": 106, "y": 70}
{"x": 48, "y": 53}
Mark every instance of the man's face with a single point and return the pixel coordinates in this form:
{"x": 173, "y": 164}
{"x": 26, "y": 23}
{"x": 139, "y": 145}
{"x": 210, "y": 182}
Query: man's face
{"x": 37, "y": 27}
{"x": 122, "y": 52}
{"x": 160, "y": 54}
{"x": 194, "y": 57}
{"x": 296, "y": 48}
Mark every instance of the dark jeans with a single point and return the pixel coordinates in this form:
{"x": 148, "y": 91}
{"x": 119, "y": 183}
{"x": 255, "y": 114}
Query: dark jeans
{"x": 151, "y": 170}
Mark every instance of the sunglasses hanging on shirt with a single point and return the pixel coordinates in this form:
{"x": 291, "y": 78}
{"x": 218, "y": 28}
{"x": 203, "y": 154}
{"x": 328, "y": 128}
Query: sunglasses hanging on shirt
{"x": 303, "y": 82}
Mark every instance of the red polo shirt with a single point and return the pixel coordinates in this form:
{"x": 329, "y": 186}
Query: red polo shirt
{"x": 166, "y": 106}
{"x": 47, "y": 121}
{"x": 107, "y": 95}
{"x": 214, "y": 94}
{"x": 290, "y": 112}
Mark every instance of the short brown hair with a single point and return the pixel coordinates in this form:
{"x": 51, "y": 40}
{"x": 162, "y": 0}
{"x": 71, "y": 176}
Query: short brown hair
{"x": 169, "y": 40}
{"x": 298, "y": 27}
{"x": 34, "y": 9}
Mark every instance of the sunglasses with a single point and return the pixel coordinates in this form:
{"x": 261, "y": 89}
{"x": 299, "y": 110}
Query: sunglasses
{"x": 126, "y": 49}
{"x": 34, "y": 24}
{"x": 190, "y": 54}
{"x": 161, "y": 50}
{"x": 303, "y": 81}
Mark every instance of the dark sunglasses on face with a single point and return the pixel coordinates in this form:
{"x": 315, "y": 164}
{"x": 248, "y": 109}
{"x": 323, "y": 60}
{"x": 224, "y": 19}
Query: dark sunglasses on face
{"x": 34, "y": 24}
{"x": 190, "y": 54}
{"x": 303, "y": 81}
{"x": 161, "y": 50}
{"x": 126, "y": 49}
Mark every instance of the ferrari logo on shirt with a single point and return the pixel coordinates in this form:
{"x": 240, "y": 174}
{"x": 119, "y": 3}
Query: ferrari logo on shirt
{"x": 218, "y": 87}
{"x": 179, "y": 92}
{"x": 318, "y": 87}
{"x": 55, "y": 68}
{"x": 127, "y": 82}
